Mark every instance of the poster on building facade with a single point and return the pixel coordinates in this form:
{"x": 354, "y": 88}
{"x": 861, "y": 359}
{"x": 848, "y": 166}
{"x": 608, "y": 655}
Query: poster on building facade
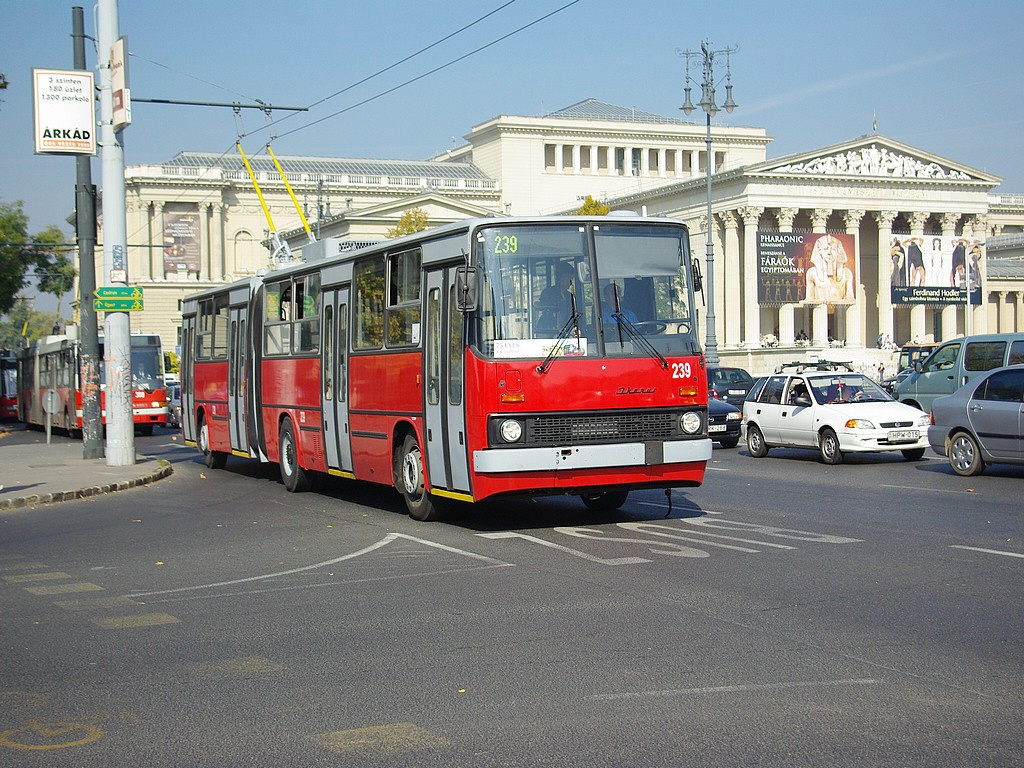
{"x": 181, "y": 240}
{"x": 805, "y": 268}
{"x": 933, "y": 269}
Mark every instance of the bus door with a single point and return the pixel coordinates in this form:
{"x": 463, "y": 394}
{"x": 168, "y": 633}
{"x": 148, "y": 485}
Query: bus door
{"x": 445, "y": 421}
{"x": 188, "y": 397}
{"x": 237, "y": 380}
{"x": 334, "y": 381}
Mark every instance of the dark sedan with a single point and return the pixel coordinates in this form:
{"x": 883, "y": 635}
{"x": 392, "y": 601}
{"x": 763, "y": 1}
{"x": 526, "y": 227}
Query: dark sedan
{"x": 724, "y": 423}
{"x": 729, "y": 384}
{"x": 982, "y": 422}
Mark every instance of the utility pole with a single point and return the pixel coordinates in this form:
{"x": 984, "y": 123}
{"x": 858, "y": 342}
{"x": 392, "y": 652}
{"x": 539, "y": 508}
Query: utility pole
{"x": 117, "y": 336}
{"x": 85, "y": 228}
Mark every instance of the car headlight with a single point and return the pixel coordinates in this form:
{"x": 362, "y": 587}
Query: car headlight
{"x": 924, "y": 421}
{"x": 734, "y": 416}
{"x": 859, "y": 424}
{"x": 511, "y": 430}
{"x": 691, "y": 422}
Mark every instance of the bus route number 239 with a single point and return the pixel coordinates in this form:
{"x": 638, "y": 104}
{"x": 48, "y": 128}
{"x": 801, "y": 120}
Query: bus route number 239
{"x": 681, "y": 370}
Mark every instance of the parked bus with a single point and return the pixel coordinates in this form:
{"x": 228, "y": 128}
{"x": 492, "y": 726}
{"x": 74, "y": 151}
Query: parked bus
{"x": 52, "y": 365}
{"x": 485, "y": 358}
{"x": 8, "y": 386}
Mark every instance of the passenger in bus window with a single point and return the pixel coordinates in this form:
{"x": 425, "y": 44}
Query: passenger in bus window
{"x": 613, "y": 302}
{"x": 555, "y": 307}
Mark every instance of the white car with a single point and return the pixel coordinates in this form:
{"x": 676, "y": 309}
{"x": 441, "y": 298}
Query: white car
{"x": 832, "y": 409}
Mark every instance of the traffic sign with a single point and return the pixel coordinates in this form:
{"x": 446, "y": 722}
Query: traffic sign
{"x": 119, "y": 292}
{"x": 117, "y": 305}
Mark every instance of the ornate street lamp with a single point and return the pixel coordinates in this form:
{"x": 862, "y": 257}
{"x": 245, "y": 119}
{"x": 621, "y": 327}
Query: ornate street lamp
{"x": 707, "y": 103}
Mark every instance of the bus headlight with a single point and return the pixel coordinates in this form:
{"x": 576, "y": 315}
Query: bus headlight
{"x": 691, "y": 422}
{"x": 511, "y": 430}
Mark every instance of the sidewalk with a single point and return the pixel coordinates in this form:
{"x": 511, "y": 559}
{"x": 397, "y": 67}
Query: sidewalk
{"x": 34, "y": 473}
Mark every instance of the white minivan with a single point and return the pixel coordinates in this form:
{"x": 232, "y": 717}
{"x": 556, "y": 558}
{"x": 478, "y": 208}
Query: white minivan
{"x": 956, "y": 362}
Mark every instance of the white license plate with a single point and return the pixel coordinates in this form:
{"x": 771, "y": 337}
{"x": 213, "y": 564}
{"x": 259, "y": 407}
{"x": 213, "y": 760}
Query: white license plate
{"x": 906, "y": 434}
{"x": 716, "y": 428}
{"x": 736, "y": 392}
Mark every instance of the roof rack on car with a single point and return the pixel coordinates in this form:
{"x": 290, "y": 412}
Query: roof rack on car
{"x": 799, "y": 366}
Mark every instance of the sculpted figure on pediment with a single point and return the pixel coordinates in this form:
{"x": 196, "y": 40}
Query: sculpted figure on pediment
{"x": 873, "y": 161}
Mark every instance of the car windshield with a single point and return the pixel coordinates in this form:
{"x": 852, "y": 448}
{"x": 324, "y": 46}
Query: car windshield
{"x": 829, "y": 389}
{"x": 729, "y": 377}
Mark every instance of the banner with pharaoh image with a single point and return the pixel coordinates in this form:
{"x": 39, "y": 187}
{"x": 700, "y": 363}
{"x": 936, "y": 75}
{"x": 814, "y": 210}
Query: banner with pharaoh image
{"x": 181, "y": 239}
{"x": 934, "y": 269}
{"x": 806, "y": 268}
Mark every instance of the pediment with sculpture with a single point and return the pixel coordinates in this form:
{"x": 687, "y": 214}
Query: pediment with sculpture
{"x": 874, "y": 159}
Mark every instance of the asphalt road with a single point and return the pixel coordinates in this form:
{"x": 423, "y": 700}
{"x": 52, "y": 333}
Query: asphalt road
{"x": 787, "y": 613}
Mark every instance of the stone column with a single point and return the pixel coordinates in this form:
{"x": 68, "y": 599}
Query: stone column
{"x": 645, "y": 161}
{"x": 694, "y": 163}
{"x": 593, "y": 160}
{"x": 1019, "y": 312}
{"x": 751, "y": 307}
{"x": 156, "y": 241}
{"x": 730, "y": 257}
{"x": 610, "y": 160}
{"x": 558, "y": 158}
{"x": 949, "y": 312}
{"x": 856, "y": 330}
{"x": 819, "y": 322}
{"x": 980, "y": 315}
{"x": 217, "y": 235}
{"x": 576, "y": 159}
{"x": 787, "y": 333}
{"x": 918, "y": 312}
{"x": 885, "y": 220}
{"x": 679, "y": 162}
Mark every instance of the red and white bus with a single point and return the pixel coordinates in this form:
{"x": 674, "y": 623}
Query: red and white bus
{"x": 8, "y": 386}
{"x": 437, "y": 363}
{"x": 52, "y": 365}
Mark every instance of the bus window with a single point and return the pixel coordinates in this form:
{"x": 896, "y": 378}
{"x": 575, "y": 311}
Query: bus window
{"x": 307, "y": 314}
{"x": 368, "y": 279}
{"x": 403, "y": 321}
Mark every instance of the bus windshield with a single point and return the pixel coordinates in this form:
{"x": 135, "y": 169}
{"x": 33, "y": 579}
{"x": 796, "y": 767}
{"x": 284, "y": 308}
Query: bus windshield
{"x": 602, "y": 296}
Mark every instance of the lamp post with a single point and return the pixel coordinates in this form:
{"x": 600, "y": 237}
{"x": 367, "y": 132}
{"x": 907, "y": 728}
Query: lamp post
{"x": 707, "y": 103}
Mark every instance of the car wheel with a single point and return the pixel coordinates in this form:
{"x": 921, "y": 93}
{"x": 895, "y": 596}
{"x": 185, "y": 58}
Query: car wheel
{"x": 913, "y": 454}
{"x": 755, "y": 442}
{"x": 293, "y": 475}
{"x": 828, "y": 444}
{"x": 212, "y": 459}
{"x": 604, "y": 502}
{"x": 409, "y": 479}
{"x": 729, "y": 442}
{"x": 965, "y": 455}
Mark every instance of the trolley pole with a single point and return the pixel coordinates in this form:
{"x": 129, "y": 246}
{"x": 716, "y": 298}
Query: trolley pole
{"x": 117, "y": 343}
{"x": 85, "y": 228}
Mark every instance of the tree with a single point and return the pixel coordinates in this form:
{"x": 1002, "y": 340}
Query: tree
{"x": 55, "y": 269}
{"x": 15, "y": 258}
{"x": 592, "y": 207}
{"x": 23, "y": 324}
{"x": 413, "y": 220}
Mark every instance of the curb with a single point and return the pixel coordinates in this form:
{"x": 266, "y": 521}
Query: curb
{"x": 24, "y": 502}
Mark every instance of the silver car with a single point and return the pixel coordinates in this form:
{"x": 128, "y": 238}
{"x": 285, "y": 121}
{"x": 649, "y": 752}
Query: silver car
{"x": 982, "y": 422}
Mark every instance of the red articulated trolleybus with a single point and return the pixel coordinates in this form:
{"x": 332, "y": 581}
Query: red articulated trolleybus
{"x": 8, "y": 386}
{"x": 52, "y": 365}
{"x": 536, "y": 356}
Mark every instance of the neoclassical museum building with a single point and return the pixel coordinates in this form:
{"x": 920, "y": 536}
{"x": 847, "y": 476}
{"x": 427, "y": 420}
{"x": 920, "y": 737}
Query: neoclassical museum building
{"x": 849, "y": 245}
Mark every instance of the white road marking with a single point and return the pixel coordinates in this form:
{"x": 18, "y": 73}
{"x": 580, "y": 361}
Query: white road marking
{"x": 366, "y": 550}
{"x": 921, "y": 488}
{"x": 987, "y": 551}
{"x": 730, "y": 689}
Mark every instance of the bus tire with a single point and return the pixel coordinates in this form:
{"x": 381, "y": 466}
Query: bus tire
{"x": 409, "y": 479}
{"x": 212, "y": 459}
{"x": 294, "y": 477}
{"x": 608, "y": 501}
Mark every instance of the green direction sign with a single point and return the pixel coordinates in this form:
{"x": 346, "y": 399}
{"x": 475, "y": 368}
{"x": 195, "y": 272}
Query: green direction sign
{"x": 117, "y": 305}
{"x": 119, "y": 292}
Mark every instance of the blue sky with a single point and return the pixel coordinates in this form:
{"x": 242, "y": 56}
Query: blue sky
{"x": 941, "y": 76}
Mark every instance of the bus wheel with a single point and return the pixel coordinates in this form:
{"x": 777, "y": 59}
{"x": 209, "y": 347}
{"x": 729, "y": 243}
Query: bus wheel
{"x": 604, "y": 502}
{"x": 294, "y": 476}
{"x": 212, "y": 459}
{"x": 409, "y": 477}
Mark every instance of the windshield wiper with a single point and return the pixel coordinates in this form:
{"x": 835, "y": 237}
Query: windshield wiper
{"x": 572, "y": 324}
{"x": 638, "y": 337}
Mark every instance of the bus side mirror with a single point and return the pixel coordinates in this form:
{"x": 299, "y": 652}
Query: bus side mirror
{"x": 698, "y": 278}
{"x": 467, "y": 286}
